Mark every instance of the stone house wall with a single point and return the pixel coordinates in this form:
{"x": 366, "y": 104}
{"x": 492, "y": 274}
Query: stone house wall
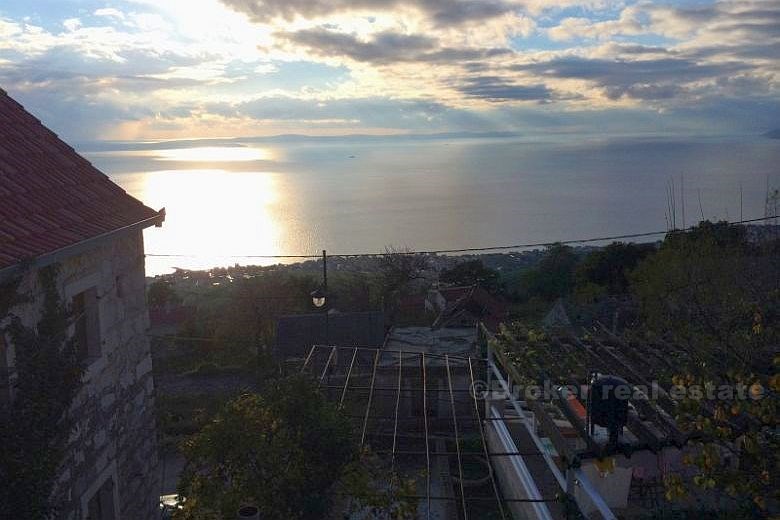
{"x": 114, "y": 435}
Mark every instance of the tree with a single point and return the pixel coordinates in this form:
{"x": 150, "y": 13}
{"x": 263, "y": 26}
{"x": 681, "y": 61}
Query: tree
{"x": 554, "y": 276}
{"x": 238, "y": 318}
{"x": 399, "y": 267}
{"x": 281, "y": 451}
{"x": 717, "y": 296}
{"x": 161, "y": 293}
{"x": 608, "y": 267}
{"x": 470, "y": 273}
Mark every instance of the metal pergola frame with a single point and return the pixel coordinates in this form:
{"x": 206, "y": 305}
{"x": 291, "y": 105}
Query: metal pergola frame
{"x": 650, "y": 421}
{"x": 651, "y": 424}
{"x": 376, "y": 388}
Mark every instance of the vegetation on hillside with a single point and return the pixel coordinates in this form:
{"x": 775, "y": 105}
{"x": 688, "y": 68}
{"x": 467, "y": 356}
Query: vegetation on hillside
{"x": 280, "y": 451}
{"x": 472, "y": 272}
{"x": 715, "y": 295}
{"x": 711, "y": 292}
{"x": 288, "y": 451}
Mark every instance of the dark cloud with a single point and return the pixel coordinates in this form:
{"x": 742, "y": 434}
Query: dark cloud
{"x": 761, "y": 19}
{"x": 695, "y": 15}
{"x": 492, "y": 88}
{"x": 624, "y": 72}
{"x": 652, "y": 92}
{"x": 454, "y": 12}
{"x": 641, "y": 79}
{"x": 385, "y": 47}
{"x": 635, "y": 49}
{"x": 442, "y": 12}
{"x": 762, "y": 50}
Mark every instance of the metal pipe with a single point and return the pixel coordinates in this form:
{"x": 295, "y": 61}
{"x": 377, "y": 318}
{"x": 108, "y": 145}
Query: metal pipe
{"x": 327, "y": 365}
{"x": 484, "y": 445}
{"x": 346, "y": 382}
{"x": 370, "y": 397}
{"x": 395, "y": 422}
{"x": 325, "y": 292}
{"x": 457, "y": 439}
{"x": 427, "y": 440}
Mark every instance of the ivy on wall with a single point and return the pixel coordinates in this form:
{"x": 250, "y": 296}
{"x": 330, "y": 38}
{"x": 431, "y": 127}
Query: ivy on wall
{"x": 34, "y": 425}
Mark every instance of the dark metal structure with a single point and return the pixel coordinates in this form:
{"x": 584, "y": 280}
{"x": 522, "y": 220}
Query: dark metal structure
{"x": 448, "y": 419}
{"x": 426, "y": 415}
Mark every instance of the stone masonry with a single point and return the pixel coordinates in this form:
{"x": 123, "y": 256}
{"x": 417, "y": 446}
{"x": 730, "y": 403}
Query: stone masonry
{"x": 114, "y": 435}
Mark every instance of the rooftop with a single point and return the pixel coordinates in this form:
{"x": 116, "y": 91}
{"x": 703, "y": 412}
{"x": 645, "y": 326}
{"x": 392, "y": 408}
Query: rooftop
{"x": 460, "y": 341}
{"x": 295, "y": 334}
{"x": 51, "y": 197}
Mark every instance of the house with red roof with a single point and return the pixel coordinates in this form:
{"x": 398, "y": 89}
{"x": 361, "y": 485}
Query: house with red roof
{"x": 57, "y": 209}
{"x": 465, "y": 306}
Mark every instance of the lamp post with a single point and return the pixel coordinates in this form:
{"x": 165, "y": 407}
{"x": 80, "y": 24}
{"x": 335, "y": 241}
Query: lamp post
{"x": 319, "y": 296}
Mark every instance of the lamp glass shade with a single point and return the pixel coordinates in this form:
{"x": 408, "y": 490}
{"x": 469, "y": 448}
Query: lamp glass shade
{"x": 318, "y": 298}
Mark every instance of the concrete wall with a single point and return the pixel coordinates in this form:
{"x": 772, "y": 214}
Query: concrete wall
{"x": 114, "y": 435}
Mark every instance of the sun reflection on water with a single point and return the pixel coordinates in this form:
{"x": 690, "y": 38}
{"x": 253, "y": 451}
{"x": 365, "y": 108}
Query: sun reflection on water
{"x": 210, "y": 214}
{"x": 214, "y": 154}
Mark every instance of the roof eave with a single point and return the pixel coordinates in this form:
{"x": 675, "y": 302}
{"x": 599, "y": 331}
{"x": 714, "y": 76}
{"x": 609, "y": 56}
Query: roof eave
{"x": 79, "y": 247}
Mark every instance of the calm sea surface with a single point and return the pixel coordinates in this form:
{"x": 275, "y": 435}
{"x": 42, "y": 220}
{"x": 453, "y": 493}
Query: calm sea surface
{"x": 296, "y": 196}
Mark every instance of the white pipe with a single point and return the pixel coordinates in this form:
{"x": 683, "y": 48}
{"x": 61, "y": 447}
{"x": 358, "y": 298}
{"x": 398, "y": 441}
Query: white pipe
{"x": 528, "y": 426}
{"x": 523, "y": 474}
{"x": 589, "y": 490}
{"x": 593, "y": 495}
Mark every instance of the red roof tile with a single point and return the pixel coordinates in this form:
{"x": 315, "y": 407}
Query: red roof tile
{"x": 50, "y": 196}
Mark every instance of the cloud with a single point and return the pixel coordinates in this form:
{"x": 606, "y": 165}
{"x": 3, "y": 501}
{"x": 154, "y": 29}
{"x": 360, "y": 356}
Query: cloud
{"x": 650, "y": 79}
{"x": 72, "y": 24}
{"x": 726, "y": 21}
{"x": 495, "y": 89}
{"x": 628, "y": 23}
{"x": 389, "y": 65}
{"x": 109, "y": 12}
{"x": 624, "y": 72}
{"x": 382, "y": 48}
{"x": 442, "y": 12}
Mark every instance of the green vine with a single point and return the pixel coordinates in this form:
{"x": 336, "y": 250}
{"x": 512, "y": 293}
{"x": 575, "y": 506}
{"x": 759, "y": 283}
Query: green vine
{"x": 34, "y": 425}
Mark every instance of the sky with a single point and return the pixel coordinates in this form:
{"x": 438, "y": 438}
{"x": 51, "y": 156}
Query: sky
{"x": 173, "y": 69}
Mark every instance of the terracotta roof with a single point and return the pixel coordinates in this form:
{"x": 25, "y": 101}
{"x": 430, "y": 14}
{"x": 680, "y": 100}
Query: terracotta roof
{"x": 50, "y": 196}
{"x": 453, "y": 294}
{"x": 474, "y": 300}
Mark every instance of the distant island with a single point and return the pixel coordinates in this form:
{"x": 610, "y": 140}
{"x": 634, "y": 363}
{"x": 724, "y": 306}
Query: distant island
{"x": 101, "y": 146}
{"x": 773, "y": 134}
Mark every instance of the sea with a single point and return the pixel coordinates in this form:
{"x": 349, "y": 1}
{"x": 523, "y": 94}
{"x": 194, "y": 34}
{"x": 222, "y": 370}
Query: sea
{"x": 253, "y": 200}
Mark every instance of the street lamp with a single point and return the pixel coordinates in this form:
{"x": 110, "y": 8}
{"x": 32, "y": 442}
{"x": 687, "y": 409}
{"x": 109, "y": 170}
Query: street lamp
{"x": 318, "y": 298}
